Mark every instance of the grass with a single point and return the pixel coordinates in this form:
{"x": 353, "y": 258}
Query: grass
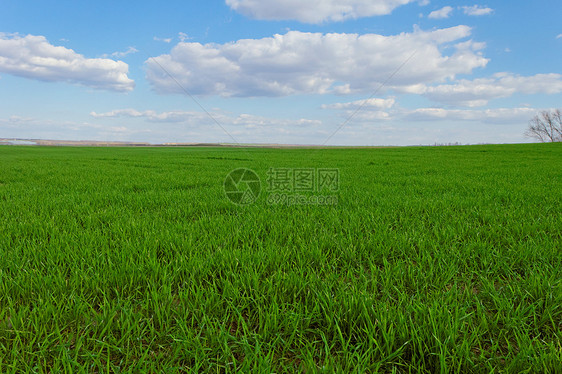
{"x": 436, "y": 259}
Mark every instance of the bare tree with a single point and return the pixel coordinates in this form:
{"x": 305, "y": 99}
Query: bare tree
{"x": 546, "y": 126}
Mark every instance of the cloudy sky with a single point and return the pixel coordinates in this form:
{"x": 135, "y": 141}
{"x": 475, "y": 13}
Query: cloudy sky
{"x": 350, "y": 72}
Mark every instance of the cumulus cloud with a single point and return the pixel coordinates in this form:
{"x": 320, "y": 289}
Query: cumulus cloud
{"x": 314, "y": 63}
{"x": 559, "y": 36}
{"x": 477, "y": 10}
{"x": 479, "y": 92}
{"x": 314, "y": 11}
{"x": 442, "y": 13}
{"x": 34, "y": 57}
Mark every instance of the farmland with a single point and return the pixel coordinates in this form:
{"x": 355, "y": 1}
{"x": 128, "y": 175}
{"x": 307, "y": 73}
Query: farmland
{"x": 434, "y": 259}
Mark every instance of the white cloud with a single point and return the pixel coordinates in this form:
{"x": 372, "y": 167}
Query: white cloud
{"x": 165, "y": 40}
{"x": 127, "y": 52}
{"x": 192, "y": 126}
{"x": 368, "y": 110}
{"x": 396, "y": 126}
{"x": 374, "y": 103}
{"x": 173, "y": 116}
{"x": 477, "y": 10}
{"x": 35, "y": 128}
{"x": 444, "y": 12}
{"x": 35, "y": 58}
{"x": 367, "y": 116}
{"x": 252, "y": 121}
{"x": 314, "y": 11}
{"x": 183, "y": 36}
{"x": 374, "y": 110}
{"x": 479, "y": 92}
{"x": 201, "y": 118}
{"x": 559, "y": 36}
{"x": 386, "y": 109}
{"x": 314, "y": 63}
{"x": 490, "y": 116}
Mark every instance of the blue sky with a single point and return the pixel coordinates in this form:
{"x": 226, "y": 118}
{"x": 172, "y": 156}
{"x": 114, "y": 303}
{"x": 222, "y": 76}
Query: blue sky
{"x": 392, "y": 72}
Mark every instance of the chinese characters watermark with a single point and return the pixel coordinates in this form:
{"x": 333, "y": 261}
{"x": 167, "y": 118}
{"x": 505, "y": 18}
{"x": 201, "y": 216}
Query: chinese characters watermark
{"x": 285, "y": 186}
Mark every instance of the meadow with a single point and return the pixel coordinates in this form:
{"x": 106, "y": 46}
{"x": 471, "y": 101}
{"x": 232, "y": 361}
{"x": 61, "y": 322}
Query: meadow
{"x": 434, "y": 259}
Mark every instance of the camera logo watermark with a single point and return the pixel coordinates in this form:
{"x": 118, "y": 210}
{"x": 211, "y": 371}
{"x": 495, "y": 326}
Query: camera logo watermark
{"x": 242, "y": 186}
{"x": 285, "y": 186}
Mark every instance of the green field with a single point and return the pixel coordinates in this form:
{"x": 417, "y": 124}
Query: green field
{"x": 435, "y": 259}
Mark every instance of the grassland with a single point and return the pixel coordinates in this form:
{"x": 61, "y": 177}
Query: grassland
{"x": 436, "y": 259}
